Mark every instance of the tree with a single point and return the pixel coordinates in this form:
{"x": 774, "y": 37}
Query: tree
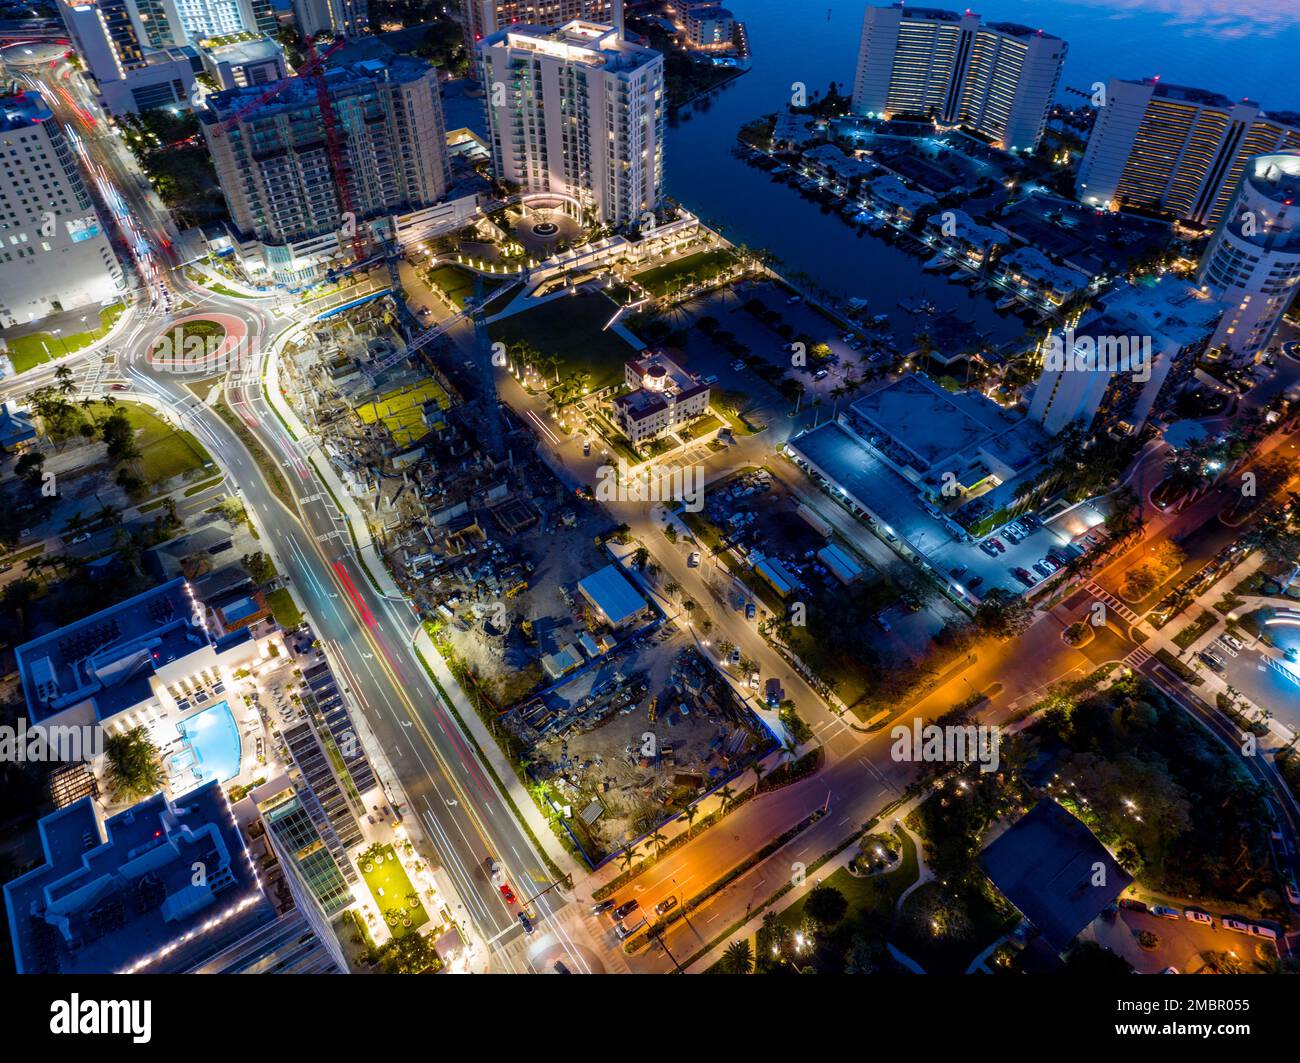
{"x": 119, "y": 437}
{"x": 825, "y": 906}
{"x": 29, "y": 467}
{"x": 689, "y": 814}
{"x": 258, "y": 566}
{"x": 628, "y": 856}
{"x": 657, "y": 838}
{"x": 640, "y": 556}
{"x": 135, "y": 769}
{"x": 725, "y": 794}
{"x": 739, "y": 958}
{"x": 409, "y": 954}
{"x": 1002, "y": 614}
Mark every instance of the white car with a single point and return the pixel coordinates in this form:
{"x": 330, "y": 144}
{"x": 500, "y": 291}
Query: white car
{"x": 1236, "y": 925}
{"x": 84, "y": 537}
{"x": 694, "y": 560}
{"x": 754, "y": 680}
{"x": 1267, "y": 932}
{"x": 1198, "y": 917}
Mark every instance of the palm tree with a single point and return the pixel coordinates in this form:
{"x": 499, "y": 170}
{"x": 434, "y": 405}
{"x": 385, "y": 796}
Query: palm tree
{"x": 689, "y": 815}
{"x": 657, "y": 839}
{"x": 64, "y": 376}
{"x": 725, "y": 794}
{"x": 789, "y": 749}
{"x": 739, "y": 958}
{"x": 134, "y": 767}
{"x": 628, "y": 856}
{"x": 758, "y": 770}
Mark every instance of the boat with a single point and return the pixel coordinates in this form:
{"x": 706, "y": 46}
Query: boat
{"x": 1006, "y": 302}
{"x": 856, "y": 304}
{"x": 938, "y": 262}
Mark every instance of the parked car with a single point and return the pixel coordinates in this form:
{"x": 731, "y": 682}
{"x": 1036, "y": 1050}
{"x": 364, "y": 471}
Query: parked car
{"x": 1236, "y": 925}
{"x": 1133, "y": 905}
{"x": 1165, "y": 912}
{"x": 1266, "y": 932}
{"x": 82, "y": 538}
{"x": 884, "y": 624}
{"x": 493, "y": 869}
{"x": 665, "y": 906}
{"x": 751, "y": 611}
{"x": 601, "y": 906}
{"x": 623, "y": 910}
{"x": 694, "y": 560}
{"x": 1212, "y": 659}
{"x": 1198, "y": 917}
{"x": 821, "y": 374}
{"x": 733, "y": 658}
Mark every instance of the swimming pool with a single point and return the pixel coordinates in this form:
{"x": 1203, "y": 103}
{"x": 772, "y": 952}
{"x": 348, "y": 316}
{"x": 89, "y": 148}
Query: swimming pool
{"x": 213, "y": 738}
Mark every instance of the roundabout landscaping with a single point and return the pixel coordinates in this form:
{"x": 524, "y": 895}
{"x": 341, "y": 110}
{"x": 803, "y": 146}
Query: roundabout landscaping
{"x": 201, "y": 344}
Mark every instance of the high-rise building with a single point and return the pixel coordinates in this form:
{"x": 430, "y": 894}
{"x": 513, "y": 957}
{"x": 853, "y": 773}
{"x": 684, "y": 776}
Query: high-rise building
{"x": 997, "y": 79}
{"x": 339, "y": 18}
{"x": 482, "y": 18}
{"x": 54, "y": 252}
{"x": 141, "y": 54}
{"x": 1252, "y": 264}
{"x": 307, "y": 860}
{"x": 577, "y": 111}
{"x": 1176, "y": 150}
{"x": 1132, "y": 350}
{"x": 274, "y": 166}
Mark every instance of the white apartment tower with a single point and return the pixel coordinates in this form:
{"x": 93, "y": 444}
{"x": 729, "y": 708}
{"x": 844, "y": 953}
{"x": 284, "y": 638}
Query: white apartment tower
{"x": 54, "y": 253}
{"x": 579, "y": 112}
{"x": 1175, "y": 149}
{"x": 1252, "y": 264}
{"x": 340, "y": 18}
{"x": 482, "y": 18}
{"x": 997, "y": 79}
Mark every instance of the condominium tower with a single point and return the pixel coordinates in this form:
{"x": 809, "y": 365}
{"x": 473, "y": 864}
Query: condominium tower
{"x": 577, "y": 111}
{"x": 996, "y": 79}
{"x": 1252, "y": 264}
{"x": 282, "y": 187}
{"x": 338, "y": 18}
{"x": 482, "y": 18}
{"x": 54, "y": 252}
{"x": 1176, "y": 150}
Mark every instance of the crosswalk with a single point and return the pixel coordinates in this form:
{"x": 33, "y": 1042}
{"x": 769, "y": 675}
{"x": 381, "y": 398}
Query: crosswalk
{"x": 1111, "y": 602}
{"x": 1137, "y": 658}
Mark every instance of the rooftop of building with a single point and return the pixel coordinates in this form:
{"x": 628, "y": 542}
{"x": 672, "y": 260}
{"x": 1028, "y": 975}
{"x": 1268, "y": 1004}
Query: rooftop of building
{"x": 1046, "y": 865}
{"x": 609, "y": 590}
{"x": 1015, "y": 29}
{"x": 1168, "y": 308}
{"x": 19, "y": 110}
{"x": 341, "y": 79}
{"x": 934, "y": 427}
{"x": 1033, "y": 263}
{"x": 1185, "y": 93}
{"x": 592, "y": 44}
{"x": 243, "y": 50}
{"x": 892, "y": 190}
{"x": 709, "y": 11}
{"x": 121, "y": 894}
{"x": 109, "y": 656}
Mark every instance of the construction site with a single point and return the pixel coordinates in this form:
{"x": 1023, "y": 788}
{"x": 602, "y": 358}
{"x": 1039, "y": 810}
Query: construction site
{"x": 630, "y": 743}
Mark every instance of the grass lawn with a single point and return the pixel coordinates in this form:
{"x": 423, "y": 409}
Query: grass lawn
{"x": 1195, "y": 629}
{"x": 164, "y": 451}
{"x": 874, "y": 895}
{"x": 457, "y": 283}
{"x": 389, "y": 886}
{"x": 37, "y": 347}
{"x": 284, "y": 609}
{"x": 705, "y": 265}
{"x": 570, "y": 328}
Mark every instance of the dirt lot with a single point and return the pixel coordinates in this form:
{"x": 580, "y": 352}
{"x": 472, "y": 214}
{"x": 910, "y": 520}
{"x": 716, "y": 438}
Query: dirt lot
{"x": 599, "y": 751}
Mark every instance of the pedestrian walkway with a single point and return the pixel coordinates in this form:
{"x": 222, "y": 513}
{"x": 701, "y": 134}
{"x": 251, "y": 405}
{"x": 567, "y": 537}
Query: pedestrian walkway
{"x": 1137, "y": 658}
{"x": 1111, "y": 602}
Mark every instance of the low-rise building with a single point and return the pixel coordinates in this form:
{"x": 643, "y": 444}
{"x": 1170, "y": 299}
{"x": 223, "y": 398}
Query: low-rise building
{"x": 1035, "y": 274}
{"x": 900, "y": 204}
{"x": 614, "y": 599}
{"x": 663, "y": 397}
{"x": 708, "y": 26}
{"x": 961, "y": 234}
{"x": 236, "y": 64}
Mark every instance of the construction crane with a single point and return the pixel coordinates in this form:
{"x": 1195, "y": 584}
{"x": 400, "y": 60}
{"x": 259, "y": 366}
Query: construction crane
{"x": 340, "y": 171}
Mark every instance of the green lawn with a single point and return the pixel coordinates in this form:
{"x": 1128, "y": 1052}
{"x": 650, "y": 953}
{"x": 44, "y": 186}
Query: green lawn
{"x": 37, "y": 347}
{"x": 705, "y": 265}
{"x": 570, "y": 328}
{"x": 284, "y": 609}
{"x": 389, "y": 885}
{"x": 164, "y": 451}
{"x": 874, "y": 895}
{"x": 456, "y": 282}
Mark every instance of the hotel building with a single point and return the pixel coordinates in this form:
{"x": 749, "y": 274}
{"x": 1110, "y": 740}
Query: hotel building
{"x": 577, "y": 112}
{"x": 995, "y": 79}
{"x": 663, "y": 397}
{"x": 482, "y": 18}
{"x": 54, "y": 252}
{"x": 1176, "y": 150}
{"x": 1252, "y": 264}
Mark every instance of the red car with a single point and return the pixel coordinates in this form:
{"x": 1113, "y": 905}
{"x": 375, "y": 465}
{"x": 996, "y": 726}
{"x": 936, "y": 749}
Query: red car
{"x": 508, "y": 894}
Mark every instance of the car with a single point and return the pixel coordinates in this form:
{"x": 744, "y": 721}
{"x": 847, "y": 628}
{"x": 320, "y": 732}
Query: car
{"x": 738, "y": 366}
{"x": 694, "y": 560}
{"x": 1051, "y": 563}
{"x": 493, "y": 869}
{"x": 974, "y": 582}
{"x": 1233, "y": 641}
{"x": 821, "y": 374}
{"x": 1199, "y": 917}
{"x": 794, "y": 300}
{"x": 1023, "y": 575}
{"x": 1042, "y": 568}
{"x": 1266, "y": 932}
{"x": 507, "y": 893}
{"x": 1292, "y": 894}
{"x": 117, "y": 387}
{"x": 1236, "y": 925}
{"x": 997, "y": 544}
{"x": 733, "y": 658}
{"x": 1010, "y": 536}
{"x": 755, "y": 680}
{"x": 884, "y": 624}
{"x": 625, "y": 909}
{"x": 665, "y": 906}
{"x": 84, "y": 537}
{"x": 586, "y": 448}
{"x": 751, "y": 611}
{"x": 623, "y": 931}
{"x": 1133, "y": 905}
{"x": 1212, "y": 659}
{"x": 526, "y": 923}
{"x": 1165, "y": 912}
{"x": 559, "y": 968}
{"x": 601, "y": 906}
{"x": 958, "y": 572}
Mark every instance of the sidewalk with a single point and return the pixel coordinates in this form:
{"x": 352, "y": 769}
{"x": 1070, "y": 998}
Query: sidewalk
{"x": 370, "y": 559}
